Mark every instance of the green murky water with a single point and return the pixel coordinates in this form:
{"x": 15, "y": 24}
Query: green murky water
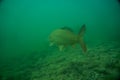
{"x": 25, "y": 53}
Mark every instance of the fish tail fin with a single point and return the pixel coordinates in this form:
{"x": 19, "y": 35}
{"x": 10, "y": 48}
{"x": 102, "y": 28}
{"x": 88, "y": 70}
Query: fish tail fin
{"x": 80, "y": 38}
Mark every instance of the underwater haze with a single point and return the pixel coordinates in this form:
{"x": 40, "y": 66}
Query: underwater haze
{"x": 25, "y": 26}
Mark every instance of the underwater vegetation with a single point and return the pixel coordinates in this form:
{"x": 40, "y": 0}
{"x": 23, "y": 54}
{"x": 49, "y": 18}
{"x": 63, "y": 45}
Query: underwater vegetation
{"x": 101, "y": 62}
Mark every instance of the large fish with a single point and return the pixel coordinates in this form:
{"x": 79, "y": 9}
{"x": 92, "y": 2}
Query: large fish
{"x": 64, "y": 37}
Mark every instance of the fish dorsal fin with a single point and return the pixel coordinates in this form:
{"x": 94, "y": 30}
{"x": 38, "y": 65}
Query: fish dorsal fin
{"x": 67, "y": 28}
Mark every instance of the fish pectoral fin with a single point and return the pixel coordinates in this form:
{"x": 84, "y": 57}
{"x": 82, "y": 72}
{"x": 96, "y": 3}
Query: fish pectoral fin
{"x": 61, "y": 47}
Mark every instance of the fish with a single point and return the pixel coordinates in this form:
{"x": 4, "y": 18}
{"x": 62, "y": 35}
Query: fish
{"x": 64, "y": 37}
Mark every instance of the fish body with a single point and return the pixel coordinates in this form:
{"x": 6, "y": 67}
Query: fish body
{"x": 64, "y": 37}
